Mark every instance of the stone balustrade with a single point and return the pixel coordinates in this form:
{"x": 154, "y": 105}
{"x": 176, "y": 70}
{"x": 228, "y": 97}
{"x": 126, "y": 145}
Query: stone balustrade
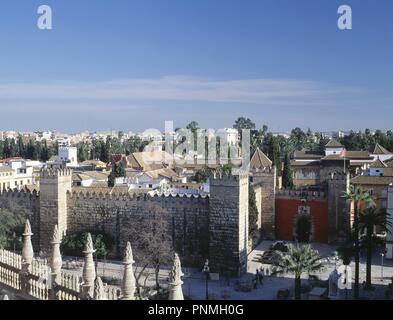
{"x": 36, "y": 279}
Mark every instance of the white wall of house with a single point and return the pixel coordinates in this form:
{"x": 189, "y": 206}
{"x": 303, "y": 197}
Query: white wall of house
{"x": 376, "y": 172}
{"x": 382, "y": 157}
{"x": 330, "y": 151}
{"x": 69, "y": 155}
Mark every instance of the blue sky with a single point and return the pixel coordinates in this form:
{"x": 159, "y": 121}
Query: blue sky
{"x": 128, "y": 64}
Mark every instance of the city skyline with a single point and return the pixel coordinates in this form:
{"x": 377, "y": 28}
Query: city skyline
{"x": 136, "y": 64}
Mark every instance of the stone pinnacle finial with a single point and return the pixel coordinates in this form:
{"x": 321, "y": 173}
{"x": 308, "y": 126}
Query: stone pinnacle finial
{"x": 27, "y": 251}
{"x": 89, "y": 247}
{"x": 175, "y": 282}
{"x": 27, "y": 231}
{"x": 128, "y": 256}
{"x": 99, "y": 291}
{"x": 56, "y": 238}
{"x": 175, "y": 273}
{"x": 128, "y": 285}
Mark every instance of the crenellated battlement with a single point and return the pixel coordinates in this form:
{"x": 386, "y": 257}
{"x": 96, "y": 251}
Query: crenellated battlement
{"x": 109, "y": 195}
{"x": 153, "y": 194}
{"x": 23, "y": 193}
{"x": 55, "y": 173}
{"x": 224, "y": 179}
{"x": 297, "y": 194}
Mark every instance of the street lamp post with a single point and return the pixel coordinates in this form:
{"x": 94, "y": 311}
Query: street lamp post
{"x": 382, "y": 257}
{"x": 206, "y": 271}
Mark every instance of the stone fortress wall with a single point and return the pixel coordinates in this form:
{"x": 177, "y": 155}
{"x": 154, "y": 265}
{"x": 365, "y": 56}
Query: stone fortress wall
{"x": 116, "y": 215}
{"x": 213, "y": 227}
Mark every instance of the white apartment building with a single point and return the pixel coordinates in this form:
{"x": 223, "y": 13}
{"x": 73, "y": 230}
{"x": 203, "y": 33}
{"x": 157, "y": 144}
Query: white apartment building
{"x": 68, "y": 155}
{"x": 15, "y": 178}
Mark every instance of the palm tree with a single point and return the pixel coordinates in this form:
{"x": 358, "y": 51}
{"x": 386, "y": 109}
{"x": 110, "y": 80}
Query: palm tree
{"x": 298, "y": 260}
{"x": 358, "y": 196}
{"x": 368, "y": 220}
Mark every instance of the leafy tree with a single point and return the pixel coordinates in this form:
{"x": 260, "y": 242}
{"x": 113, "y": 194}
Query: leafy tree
{"x": 358, "y": 196}
{"x": 151, "y": 241}
{"x": 252, "y": 214}
{"x": 74, "y": 244}
{"x": 202, "y": 175}
{"x": 12, "y": 220}
{"x": 299, "y": 139}
{"x": 118, "y": 171}
{"x": 244, "y": 123}
{"x": 298, "y": 260}
{"x": 287, "y": 175}
{"x": 193, "y": 126}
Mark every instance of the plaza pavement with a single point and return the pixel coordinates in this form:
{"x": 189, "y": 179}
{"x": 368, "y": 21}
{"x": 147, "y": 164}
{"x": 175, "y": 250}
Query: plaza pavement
{"x": 194, "y": 281}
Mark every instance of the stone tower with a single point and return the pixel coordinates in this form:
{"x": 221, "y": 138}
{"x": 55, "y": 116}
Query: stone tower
{"x": 264, "y": 182}
{"x": 228, "y": 223}
{"x": 338, "y": 208}
{"x": 54, "y": 185}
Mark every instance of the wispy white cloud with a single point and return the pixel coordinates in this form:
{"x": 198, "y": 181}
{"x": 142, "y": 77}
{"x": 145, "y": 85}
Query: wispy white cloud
{"x": 174, "y": 88}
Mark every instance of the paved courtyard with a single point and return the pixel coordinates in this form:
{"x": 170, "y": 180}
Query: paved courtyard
{"x": 194, "y": 286}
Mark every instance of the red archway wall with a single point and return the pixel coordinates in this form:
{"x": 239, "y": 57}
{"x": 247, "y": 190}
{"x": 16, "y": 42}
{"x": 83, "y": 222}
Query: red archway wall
{"x": 286, "y": 211}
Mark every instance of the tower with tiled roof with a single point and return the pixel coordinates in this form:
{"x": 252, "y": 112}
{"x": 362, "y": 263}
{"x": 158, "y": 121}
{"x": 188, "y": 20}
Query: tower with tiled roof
{"x": 264, "y": 181}
{"x": 381, "y": 153}
{"x": 333, "y": 147}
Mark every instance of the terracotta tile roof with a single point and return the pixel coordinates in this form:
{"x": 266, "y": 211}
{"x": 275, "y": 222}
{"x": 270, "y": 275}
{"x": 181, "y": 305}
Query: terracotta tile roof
{"x": 93, "y": 162}
{"x": 54, "y": 158}
{"x": 380, "y": 150}
{"x": 358, "y": 155}
{"x": 333, "y": 143}
{"x": 166, "y": 173}
{"x": 31, "y": 188}
{"x": 334, "y": 157}
{"x": 388, "y": 172}
{"x": 378, "y": 164}
{"x": 372, "y": 180}
{"x": 310, "y": 163}
{"x": 6, "y": 160}
{"x": 304, "y": 154}
{"x": 260, "y": 160}
{"x": 87, "y": 175}
{"x": 389, "y": 162}
{"x": 148, "y": 160}
{"x": 99, "y": 184}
